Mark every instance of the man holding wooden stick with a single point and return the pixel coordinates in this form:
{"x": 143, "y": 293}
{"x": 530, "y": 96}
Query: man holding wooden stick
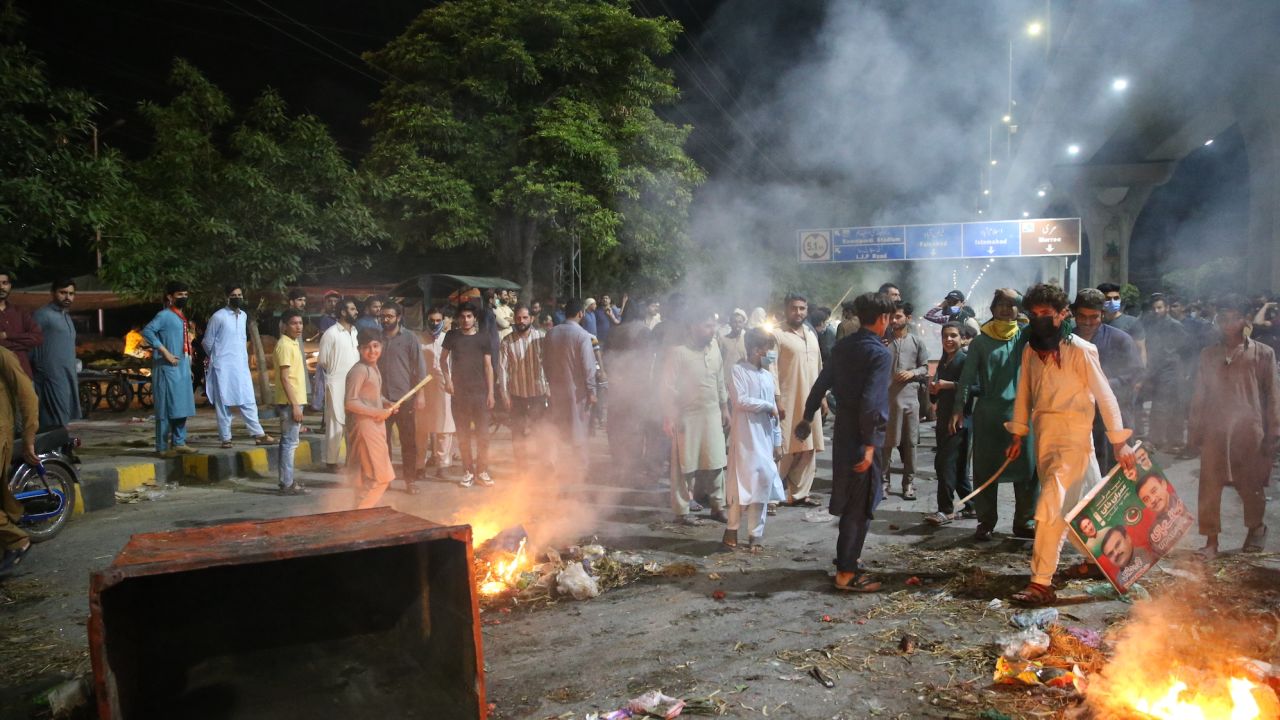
{"x": 402, "y": 367}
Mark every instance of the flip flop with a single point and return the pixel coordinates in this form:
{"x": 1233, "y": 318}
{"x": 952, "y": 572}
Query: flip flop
{"x": 1035, "y": 594}
{"x": 226, "y": 445}
{"x": 939, "y": 518}
{"x": 861, "y": 583}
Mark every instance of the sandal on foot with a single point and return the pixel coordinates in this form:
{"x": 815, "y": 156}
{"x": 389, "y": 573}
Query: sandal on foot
{"x": 755, "y": 546}
{"x": 772, "y": 509}
{"x": 861, "y": 583}
{"x": 695, "y": 506}
{"x": 1035, "y": 594}
{"x": 1255, "y": 540}
{"x": 1207, "y": 553}
{"x": 227, "y": 445}
{"x": 264, "y": 439}
{"x": 730, "y": 540}
{"x": 805, "y": 501}
{"x": 983, "y": 533}
{"x": 939, "y": 518}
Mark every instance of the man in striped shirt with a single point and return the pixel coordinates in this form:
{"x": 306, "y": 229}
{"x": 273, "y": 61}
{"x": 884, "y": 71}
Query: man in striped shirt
{"x": 523, "y": 384}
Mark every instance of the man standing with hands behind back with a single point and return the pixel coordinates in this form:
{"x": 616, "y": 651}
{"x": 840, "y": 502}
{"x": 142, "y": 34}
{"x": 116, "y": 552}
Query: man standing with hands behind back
{"x": 171, "y": 372}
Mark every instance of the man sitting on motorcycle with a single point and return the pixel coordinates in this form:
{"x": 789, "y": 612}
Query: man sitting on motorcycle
{"x": 17, "y": 400}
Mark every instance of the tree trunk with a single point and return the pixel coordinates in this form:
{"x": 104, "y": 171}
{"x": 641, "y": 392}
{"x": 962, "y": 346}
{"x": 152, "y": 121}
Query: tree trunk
{"x": 516, "y": 240}
{"x": 260, "y": 358}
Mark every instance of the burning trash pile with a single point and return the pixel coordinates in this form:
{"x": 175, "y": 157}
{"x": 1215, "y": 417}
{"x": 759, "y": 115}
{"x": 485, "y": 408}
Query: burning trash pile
{"x": 509, "y": 571}
{"x": 1172, "y": 660}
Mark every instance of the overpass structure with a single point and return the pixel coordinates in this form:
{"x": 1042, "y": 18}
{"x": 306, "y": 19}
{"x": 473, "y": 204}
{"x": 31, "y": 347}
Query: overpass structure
{"x": 1082, "y": 148}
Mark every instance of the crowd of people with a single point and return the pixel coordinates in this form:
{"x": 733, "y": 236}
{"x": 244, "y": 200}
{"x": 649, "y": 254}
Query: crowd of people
{"x": 728, "y": 407}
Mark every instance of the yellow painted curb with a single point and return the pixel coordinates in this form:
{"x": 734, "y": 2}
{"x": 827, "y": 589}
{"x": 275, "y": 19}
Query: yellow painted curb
{"x": 196, "y": 466}
{"x": 78, "y": 507}
{"x": 302, "y": 455}
{"x": 255, "y": 462}
{"x": 132, "y": 477}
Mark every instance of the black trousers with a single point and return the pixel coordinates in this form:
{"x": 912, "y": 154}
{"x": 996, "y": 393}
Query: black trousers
{"x": 856, "y": 504}
{"x": 403, "y": 421}
{"x": 952, "y": 467}
{"x": 471, "y": 417}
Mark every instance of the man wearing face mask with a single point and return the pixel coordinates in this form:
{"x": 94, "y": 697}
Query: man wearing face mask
{"x": 228, "y": 384}
{"x": 1119, "y": 357}
{"x": 435, "y": 421}
{"x": 171, "y": 372}
{"x": 755, "y": 442}
{"x": 991, "y": 372}
{"x": 1061, "y": 381}
{"x": 951, "y": 309}
{"x": 54, "y": 362}
{"x": 339, "y": 352}
{"x": 402, "y": 367}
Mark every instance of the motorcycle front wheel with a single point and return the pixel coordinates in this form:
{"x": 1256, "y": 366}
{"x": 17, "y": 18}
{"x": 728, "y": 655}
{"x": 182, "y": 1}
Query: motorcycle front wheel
{"x": 45, "y": 511}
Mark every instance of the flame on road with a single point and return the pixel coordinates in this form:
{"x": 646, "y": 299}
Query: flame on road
{"x": 1179, "y": 702}
{"x": 503, "y": 574}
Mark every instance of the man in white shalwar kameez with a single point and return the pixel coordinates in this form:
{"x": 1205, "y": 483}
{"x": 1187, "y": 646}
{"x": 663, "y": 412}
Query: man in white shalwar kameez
{"x": 695, "y": 412}
{"x": 435, "y": 421}
{"x": 1061, "y": 381}
{"x": 228, "y": 383}
{"x": 339, "y": 351}
{"x": 755, "y": 441}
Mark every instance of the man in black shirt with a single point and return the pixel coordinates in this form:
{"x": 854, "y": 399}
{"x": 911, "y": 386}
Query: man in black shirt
{"x": 951, "y": 461}
{"x": 402, "y": 367}
{"x": 858, "y": 376}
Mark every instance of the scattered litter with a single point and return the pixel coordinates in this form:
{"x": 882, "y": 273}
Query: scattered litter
{"x": 656, "y": 704}
{"x": 1039, "y": 618}
{"x": 575, "y": 581}
{"x": 993, "y": 715}
{"x": 913, "y": 580}
{"x": 145, "y": 493}
{"x": 1089, "y": 637}
{"x": 816, "y": 673}
{"x": 1106, "y": 591}
{"x": 826, "y": 618}
{"x": 68, "y": 697}
{"x": 818, "y": 515}
{"x": 1029, "y": 672}
{"x": 995, "y": 604}
{"x": 893, "y": 527}
{"x": 1030, "y": 643}
{"x": 713, "y": 576}
{"x": 908, "y": 643}
{"x": 620, "y": 557}
{"x": 717, "y": 595}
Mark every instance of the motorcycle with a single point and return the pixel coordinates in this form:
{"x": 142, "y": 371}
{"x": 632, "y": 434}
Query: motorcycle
{"x": 46, "y": 491}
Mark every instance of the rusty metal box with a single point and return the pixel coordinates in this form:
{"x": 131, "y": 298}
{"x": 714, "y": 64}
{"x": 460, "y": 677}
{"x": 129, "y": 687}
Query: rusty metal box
{"x": 359, "y": 614}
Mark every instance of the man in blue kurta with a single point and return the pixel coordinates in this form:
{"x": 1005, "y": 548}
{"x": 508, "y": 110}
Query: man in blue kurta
{"x": 54, "y": 361}
{"x": 228, "y": 384}
{"x": 991, "y": 371}
{"x": 858, "y": 376}
{"x": 171, "y": 372}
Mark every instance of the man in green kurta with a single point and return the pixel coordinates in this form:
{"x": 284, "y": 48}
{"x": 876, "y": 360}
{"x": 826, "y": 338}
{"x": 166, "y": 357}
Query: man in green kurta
{"x": 991, "y": 374}
{"x": 696, "y": 410}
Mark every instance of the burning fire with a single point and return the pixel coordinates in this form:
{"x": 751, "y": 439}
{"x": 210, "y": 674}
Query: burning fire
{"x": 1179, "y": 702}
{"x": 502, "y": 574}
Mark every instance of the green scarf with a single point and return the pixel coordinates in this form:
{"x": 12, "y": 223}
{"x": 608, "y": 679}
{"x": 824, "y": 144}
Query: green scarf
{"x": 1002, "y": 330}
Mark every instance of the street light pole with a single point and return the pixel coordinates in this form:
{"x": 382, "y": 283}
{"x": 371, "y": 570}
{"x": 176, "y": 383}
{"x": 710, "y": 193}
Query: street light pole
{"x": 97, "y": 239}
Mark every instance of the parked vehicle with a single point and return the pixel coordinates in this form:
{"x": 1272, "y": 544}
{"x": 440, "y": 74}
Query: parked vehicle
{"x": 46, "y": 491}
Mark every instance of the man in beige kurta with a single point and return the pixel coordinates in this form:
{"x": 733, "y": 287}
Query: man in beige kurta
{"x": 799, "y": 362}
{"x": 19, "y": 411}
{"x": 435, "y": 426}
{"x": 695, "y": 412}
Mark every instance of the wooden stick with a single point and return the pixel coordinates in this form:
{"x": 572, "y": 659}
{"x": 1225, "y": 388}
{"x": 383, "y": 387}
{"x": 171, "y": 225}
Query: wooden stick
{"x": 842, "y": 297}
{"x": 984, "y": 485}
{"x": 409, "y": 394}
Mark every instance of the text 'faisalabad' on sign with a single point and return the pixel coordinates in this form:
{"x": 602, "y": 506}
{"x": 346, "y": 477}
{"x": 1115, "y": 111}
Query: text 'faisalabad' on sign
{"x": 1044, "y": 237}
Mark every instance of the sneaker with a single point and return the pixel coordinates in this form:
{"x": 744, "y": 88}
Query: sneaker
{"x": 467, "y": 480}
{"x": 184, "y": 450}
{"x": 908, "y": 491}
{"x": 485, "y": 480}
{"x": 412, "y": 488}
{"x": 294, "y": 489}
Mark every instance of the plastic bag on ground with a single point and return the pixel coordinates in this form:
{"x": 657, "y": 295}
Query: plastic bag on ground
{"x": 1038, "y": 618}
{"x": 1030, "y": 643}
{"x": 575, "y": 581}
{"x": 655, "y": 703}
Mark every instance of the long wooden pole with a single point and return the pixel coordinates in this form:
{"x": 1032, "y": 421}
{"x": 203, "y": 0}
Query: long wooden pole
{"x": 409, "y": 394}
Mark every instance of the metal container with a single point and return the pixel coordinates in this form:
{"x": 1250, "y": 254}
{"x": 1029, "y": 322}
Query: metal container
{"x": 359, "y": 614}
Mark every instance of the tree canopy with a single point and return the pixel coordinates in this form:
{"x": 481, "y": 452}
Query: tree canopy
{"x": 514, "y": 126}
{"x": 52, "y": 189}
{"x": 260, "y": 199}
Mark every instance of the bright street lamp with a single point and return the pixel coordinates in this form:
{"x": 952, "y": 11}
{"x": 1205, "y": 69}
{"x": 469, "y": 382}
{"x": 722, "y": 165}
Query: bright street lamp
{"x": 1041, "y": 193}
{"x": 1035, "y": 28}
{"x": 1006, "y": 119}
{"x": 986, "y": 192}
{"x": 1026, "y": 214}
{"x": 1073, "y": 149}
{"x": 1120, "y": 84}
{"x": 995, "y": 162}
{"x": 1208, "y": 142}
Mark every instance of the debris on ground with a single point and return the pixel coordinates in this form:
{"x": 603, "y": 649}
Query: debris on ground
{"x": 1025, "y": 645}
{"x": 1039, "y": 618}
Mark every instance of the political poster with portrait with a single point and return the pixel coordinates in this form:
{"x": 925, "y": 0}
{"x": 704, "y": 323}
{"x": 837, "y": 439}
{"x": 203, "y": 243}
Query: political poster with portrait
{"x": 1130, "y": 521}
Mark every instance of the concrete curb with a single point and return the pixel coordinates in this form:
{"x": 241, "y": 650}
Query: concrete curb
{"x": 100, "y": 483}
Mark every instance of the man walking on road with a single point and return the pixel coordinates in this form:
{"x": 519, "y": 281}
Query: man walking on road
{"x": 402, "y": 368}
{"x": 171, "y": 372}
{"x": 54, "y": 361}
{"x": 570, "y": 366}
{"x": 799, "y": 362}
{"x": 1060, "y": 383}
{"x": 19, "y": 332}
{"x": 228, "y": 384}
{"x": 17, "y": 400}
{"x": 339, "y": 351}
{"x": 858, "y": 377}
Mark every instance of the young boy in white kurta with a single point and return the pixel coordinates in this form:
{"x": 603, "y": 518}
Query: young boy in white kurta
{"x": 1060, "y": 382}
{"x": 755, "y": 440}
